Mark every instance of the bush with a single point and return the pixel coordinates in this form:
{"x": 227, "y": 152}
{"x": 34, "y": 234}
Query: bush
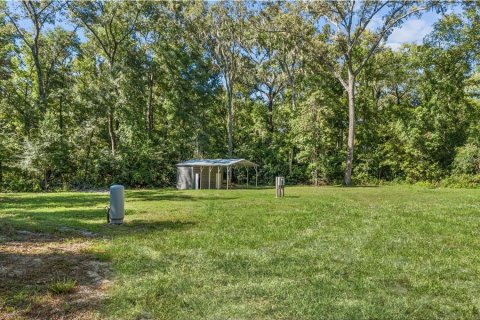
{"x": 467, "y": 160}
{"x": 461, "y": 181}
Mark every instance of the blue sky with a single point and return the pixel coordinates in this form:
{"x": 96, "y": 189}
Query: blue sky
{"x": 415, "y": 29}
{"x": 412, "y": 31}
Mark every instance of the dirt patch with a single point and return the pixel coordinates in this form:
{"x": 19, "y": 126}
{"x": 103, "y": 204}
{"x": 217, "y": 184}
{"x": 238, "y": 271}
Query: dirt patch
{"x": 48, "y": 277}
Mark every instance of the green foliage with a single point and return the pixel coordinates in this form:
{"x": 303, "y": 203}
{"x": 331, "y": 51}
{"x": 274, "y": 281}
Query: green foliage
{"x": 461, "y": 181}
{"x": 467, "y": 160}
{"x": 120, "y": 92}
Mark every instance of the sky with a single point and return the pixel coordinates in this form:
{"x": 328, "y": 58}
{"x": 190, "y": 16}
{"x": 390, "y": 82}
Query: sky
{"x": 413, "y": 30}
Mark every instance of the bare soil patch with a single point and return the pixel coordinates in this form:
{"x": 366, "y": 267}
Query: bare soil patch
{"x": 31, "y": 264}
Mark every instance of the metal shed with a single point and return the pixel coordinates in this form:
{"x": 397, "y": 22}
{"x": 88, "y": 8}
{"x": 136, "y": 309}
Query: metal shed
{"x": 208, "y": 173}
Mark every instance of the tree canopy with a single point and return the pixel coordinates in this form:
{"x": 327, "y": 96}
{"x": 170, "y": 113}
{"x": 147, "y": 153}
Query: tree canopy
{"x": 95, "y": 92}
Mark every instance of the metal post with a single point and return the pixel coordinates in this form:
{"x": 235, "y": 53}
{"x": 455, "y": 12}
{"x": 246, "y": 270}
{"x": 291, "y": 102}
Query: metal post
{"x": 228, "y": 170}
{"x": 193, "y": 178}
{"x": 279, "y": 186}
{"x": 197, "y": 181}
{"x": 201, "y": 175}
{"x": 209, "y": 174}
{"x": 276, "y": 187}
{"x": 247, "y": 176}
{"x": 256, "y": 177}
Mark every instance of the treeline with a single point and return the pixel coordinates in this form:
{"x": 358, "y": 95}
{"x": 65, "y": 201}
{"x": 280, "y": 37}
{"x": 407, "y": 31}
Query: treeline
{"x": 95, "y": 92}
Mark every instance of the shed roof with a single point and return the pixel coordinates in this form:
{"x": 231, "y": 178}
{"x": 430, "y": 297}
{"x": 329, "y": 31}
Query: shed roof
{"x": 216, "y": 163}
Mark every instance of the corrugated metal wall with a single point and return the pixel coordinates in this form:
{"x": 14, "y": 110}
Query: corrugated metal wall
{"x": 185, "y": 177}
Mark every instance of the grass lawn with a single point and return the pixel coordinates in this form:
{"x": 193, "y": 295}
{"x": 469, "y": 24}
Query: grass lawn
{"x": 393, "y": 252}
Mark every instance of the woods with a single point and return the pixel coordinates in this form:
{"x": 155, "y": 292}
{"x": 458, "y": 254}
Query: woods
{"x": 93, "y": 93}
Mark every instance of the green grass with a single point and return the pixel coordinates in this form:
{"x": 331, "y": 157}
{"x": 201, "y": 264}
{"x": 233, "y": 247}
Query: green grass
{"x": 63, "y": 286}
{"x": 393, "y": 252}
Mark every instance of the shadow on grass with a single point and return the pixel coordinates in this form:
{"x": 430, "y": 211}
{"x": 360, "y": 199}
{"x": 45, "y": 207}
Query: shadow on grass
{"x": 242, "y": 187}
{"x": 88, "y": 200}
{"x": 51, "y": 221}
{"x": 84, "y": 200}
{"x": 84, "y": 212}
{"x": 37, "y": 260}
{"x": 43, "y": 200}
{"x": 49, "y": 279}
{"x": 77, "y": 223}
{"x": 172, "y": 196}
{"x": 143, "y": 227}
{"x": 43, "y": 243}
{"x": 358, "y": 186}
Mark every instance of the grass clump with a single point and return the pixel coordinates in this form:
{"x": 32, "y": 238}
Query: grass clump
{"x": 63, "y": 286}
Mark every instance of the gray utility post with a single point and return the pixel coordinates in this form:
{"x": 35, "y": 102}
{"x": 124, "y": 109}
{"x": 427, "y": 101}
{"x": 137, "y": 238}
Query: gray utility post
{"x": 116, "y": 212}
{"x": 197, "y": 181}
{"x": 280, "y": 186}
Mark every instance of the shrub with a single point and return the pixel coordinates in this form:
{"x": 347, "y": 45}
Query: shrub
{"x": 467, "y": 160}
{"x": 461, "y": 181}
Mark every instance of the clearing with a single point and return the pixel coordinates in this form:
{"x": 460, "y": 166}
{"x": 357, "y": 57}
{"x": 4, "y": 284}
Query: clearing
{"x": 396, "y": 252}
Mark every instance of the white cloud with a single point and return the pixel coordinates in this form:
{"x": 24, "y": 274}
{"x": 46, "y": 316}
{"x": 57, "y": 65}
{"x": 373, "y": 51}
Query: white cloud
{"x": 394, "y": 45}
{"x": 412, "y": 31}
{"x": 375, "y": 23}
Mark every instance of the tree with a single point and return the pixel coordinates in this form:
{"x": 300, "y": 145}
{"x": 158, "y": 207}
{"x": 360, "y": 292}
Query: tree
{"x": 346, "y": 44}
{"x": 222, "y": 31}
{"x": 6, "y": 141}
{"x": 262, "y": 47}
{"x": 110, "y": 24}
{"x": 285, "y": 27}
{"x": 120, "y": 91}
{"x": 39, "y": 14}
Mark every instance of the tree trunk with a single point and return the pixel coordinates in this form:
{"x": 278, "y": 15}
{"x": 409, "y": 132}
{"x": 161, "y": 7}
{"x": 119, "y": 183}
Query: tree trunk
{"x": 230, "y": 124}
{"x": 290, "y": 160}
{"x": 27, "y": 115}
{"x": 270, "y": 114}
{"x": 40, "y": 84}
{"x": 150, "y": 107}
{"x": 293, "y": 96}
{"x": 397, "y": 95}
{"x": 61, "y": 114}
{"x": 87, "y": 158}
{"x": 45, "y": 179}
{"x": 351, "y": 128}
{"x": 111, "y": 130}
{"x": 291, "y": 153}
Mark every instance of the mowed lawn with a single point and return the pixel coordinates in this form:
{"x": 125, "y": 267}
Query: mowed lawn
{"x": 392, "y": 252}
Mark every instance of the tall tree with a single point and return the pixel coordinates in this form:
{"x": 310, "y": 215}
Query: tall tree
{"x": 284, "y": 27}
{"x": 263, "y": 46}
{"x": 110, "y": 25}
{"x": 120, "y": 91}
{"x": 39, "y": 14}
{"x": 348, "y": 41}
{"x": 222, "y": 31}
